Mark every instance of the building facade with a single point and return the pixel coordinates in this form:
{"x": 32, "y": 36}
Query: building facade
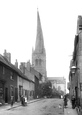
{"x": 59, "y": 83}
{"x": 32, "y": 75}
{"x": 39, "y": 54}
{"x": 8, "y": 82}
{"x": 14, "y": 83}
{"x": 75, "y": 74}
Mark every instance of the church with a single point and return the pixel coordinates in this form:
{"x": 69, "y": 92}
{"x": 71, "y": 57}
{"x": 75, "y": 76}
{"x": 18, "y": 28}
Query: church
{"x": 59, "y": 83}
{"x": 39, "y": 53}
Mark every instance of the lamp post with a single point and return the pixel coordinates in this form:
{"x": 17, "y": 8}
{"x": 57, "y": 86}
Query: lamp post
{"x": 73, "y": 69}
{"x": 73, "y": 80}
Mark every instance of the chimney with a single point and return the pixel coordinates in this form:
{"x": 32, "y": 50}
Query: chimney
{"x": 16, "y": 63}
{"x": 7, "y": 55}
{"x": 28, "y": 65}
{"x": 22, "y": 67}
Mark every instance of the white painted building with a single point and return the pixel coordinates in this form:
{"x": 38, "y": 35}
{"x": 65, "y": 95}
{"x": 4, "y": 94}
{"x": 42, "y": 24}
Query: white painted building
{"x": 58, "y": 82}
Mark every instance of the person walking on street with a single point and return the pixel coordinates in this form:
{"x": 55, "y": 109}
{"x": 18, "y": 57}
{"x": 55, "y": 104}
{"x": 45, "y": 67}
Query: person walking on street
{"x": 65, "y": 101}
{"x": 73, "y": 101}
{"x": 12, "y": 101}
{"x": 22, "y": 102}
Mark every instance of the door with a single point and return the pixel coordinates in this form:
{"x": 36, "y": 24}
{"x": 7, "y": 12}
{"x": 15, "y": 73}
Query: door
{"x": 6, "y": 95}
{"x": 16, "y": 94}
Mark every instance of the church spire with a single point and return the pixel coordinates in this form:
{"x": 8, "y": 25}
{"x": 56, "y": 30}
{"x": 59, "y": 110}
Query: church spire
{"x": 39, "y": 54}
{"x": 39, "y": 47}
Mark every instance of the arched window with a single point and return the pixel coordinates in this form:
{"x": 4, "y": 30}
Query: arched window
{"x": 40, "y": 61}
{"x": 36, "y": 62}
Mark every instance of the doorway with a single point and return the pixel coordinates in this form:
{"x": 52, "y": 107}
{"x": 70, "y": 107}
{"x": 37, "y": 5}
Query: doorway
{"x": 6, "y": 95}
{"x": 16, "y": 94}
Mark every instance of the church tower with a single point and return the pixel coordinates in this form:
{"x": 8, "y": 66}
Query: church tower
{"x": 39, "y": 54}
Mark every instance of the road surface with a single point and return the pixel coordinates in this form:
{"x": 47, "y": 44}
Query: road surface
{"x": 42, "y": 107}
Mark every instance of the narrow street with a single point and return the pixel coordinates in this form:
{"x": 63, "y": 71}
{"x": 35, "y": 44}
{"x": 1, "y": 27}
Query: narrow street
{"x": 43, "y": 107}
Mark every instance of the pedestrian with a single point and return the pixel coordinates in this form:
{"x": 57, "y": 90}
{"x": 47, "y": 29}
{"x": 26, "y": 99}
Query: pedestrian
{"x": 73, "y": 100}
{"x": 37, "y": 96}
{"x": 65, "y": 101}
{"x": 25, "y": 100}
{"x": 12, "y": 101}
{"x": 22, "y": 100}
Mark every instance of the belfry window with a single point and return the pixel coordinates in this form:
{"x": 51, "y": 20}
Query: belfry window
{"x": 39, "y": 61}
{"x": 36, "y": 61}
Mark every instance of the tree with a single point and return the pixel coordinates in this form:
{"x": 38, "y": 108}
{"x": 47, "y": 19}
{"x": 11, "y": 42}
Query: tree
{"x": 56, "y": 93}
{"x": 45, "y": 89}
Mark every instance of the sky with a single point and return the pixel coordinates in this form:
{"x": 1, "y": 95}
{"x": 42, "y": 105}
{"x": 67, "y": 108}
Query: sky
{"x": 18, "y": 25}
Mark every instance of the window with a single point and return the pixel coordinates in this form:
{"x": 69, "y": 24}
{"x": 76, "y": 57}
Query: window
{"x": 36, "y": 62}
{"x": 11, "y": 90}
{"x": 11, "y": 77}
{"x": 59, "y": 88}
{"x": 80, "y": 27}
{"x": 40, "y": 61}
{"x": 3, "y": 70}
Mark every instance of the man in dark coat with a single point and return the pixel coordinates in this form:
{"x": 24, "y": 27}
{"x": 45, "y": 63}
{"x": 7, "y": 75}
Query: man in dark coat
{"x": 12, "y": 100}
{"x": 73, "y": 101}
{"x": 65, "y": 101}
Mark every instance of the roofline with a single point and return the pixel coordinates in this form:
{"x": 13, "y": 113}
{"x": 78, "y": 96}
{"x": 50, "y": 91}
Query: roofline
{"x": 23, "y": 76}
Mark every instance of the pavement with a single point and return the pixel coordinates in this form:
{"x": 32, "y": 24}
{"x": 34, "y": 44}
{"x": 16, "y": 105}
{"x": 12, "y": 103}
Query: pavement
{"x": 68, "y": 110}
{"x": 15, "y": 105}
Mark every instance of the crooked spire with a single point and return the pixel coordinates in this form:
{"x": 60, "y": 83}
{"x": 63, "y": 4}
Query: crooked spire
{"x": 39, "y": 46}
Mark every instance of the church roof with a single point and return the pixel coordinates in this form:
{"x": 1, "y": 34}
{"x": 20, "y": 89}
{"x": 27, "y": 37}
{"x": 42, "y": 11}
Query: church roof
{"x": 39, "y": 46}
{"x": 58, "y": 79}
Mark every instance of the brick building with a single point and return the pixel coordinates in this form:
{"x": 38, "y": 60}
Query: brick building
{"x": 13, "y": 82}
{"x": 8, "y": 81}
